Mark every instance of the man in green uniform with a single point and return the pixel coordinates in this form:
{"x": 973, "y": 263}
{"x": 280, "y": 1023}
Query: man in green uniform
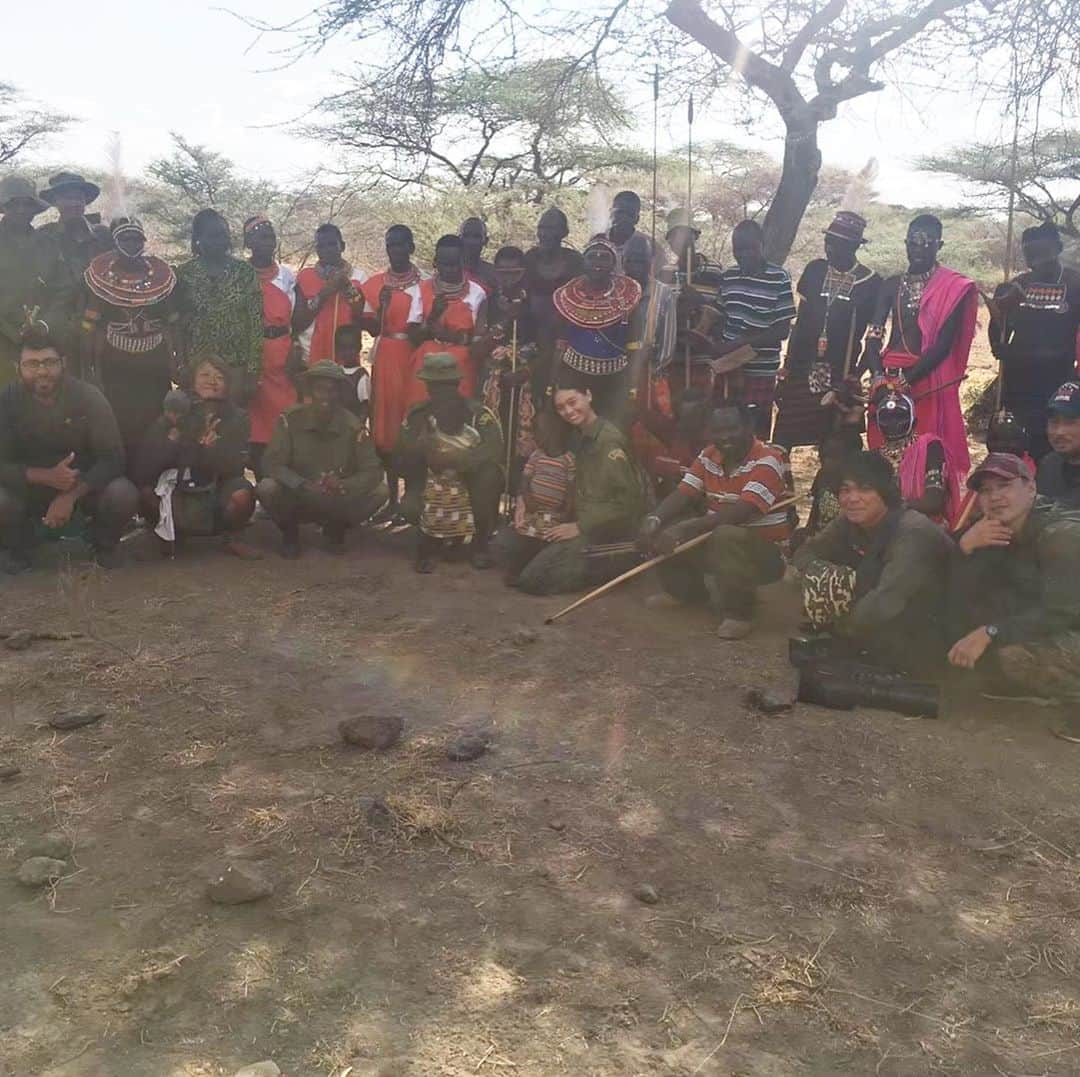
{"x": 320, "y": 466}
{"x": 450, "y": 452}
{"x": 76, "y": 241}
{"x": 1016, "y": 591}
{"x": 609, "y": 498}
{"x": 28, "y": 270}
{"x": 61, "y": 459}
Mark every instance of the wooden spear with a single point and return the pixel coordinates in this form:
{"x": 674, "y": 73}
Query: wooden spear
{"x": 637, "y": 570}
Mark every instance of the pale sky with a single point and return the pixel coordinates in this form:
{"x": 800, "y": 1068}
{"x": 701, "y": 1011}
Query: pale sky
{"x": 144, "y": 68}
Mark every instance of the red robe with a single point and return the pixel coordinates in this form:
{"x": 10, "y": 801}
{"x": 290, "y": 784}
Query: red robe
{"x": 275, "y": 392}
{"x": 461, "y": 316}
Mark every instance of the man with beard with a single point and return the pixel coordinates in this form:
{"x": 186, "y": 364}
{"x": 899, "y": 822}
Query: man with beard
{"x": 728, "y": 493}
{"x": 30, "y": 276}
{"x": 932, "y": 313}
{"x": 61, "y": 458}
{"x": 320, "y": 466}
{"x": 838, "y": 297}
{"x": 1033, "y": 332}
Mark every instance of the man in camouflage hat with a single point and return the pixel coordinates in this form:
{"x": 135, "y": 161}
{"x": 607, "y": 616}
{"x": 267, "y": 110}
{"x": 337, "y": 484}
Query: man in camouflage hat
{"x": 450, "y": 452}
{"x": 320, "y": 466}
{"x": 1016, "y": 591}
{"x": 29, "y": 270}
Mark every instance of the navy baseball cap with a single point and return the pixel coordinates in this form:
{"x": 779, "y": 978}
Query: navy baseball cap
{"x": 1066, "y": 401}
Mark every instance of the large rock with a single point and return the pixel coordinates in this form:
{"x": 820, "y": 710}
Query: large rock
{"x": 467, "y": 746}
{"x": 372, "y": 731}
{"x": 77, "y": 720}
{"x": 238, "y": 884}
{"x": 259, "y": 1069}
{"x": 40, "y": 870}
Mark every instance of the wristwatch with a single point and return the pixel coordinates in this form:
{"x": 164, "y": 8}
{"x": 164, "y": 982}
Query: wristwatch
{"x": 992, "y": 632}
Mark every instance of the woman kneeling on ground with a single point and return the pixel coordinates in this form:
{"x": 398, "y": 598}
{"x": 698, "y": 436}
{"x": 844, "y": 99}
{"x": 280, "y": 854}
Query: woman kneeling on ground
{"x": 609, "y": 503}
{"x": 190, "y": 465}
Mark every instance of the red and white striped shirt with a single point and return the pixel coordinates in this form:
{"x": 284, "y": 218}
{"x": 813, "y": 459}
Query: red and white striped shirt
{"x": 762, "y": 479}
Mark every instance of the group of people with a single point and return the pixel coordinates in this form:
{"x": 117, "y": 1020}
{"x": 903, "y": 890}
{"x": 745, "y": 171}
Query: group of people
{"x": 601, "y": 406}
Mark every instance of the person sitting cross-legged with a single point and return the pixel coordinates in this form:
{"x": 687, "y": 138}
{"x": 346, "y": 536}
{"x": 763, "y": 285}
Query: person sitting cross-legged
{"x": 320, "y": 466}
{"x": 1016, "y": 591}
{"x": 450, "y": 453}
{"x": 875, "y": 578}
{"x": 61, "y": 458}
{"x": 729, "y": 493}
{"x": 190, "y": 464}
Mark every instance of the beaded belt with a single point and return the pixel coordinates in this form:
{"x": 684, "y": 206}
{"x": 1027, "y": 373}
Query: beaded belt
{"x": 393, "y": 336}
{"x": 586, "y": 364}
{"x": 275, "y": 332}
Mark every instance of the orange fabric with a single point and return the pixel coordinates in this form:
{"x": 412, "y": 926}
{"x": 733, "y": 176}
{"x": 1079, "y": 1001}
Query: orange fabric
{"x": 275, "y": 392}
{"x": 330, "y": 319}
{"x": 391, "y": 370}
{"x": 458, "y": 318}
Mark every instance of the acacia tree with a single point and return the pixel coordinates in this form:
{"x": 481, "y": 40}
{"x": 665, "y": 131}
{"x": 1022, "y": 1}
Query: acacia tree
{"x": 23, "y": 125}
{"x": 531, "y": 128}
{"x": 802, "y": 59}
{"x": 1045, "y": 182}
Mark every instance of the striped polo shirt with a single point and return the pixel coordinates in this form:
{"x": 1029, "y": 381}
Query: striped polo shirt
{"x": 762, "y": 479}
{"x": 753, "y": 302}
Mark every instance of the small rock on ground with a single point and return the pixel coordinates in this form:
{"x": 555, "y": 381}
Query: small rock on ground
{"x": 646, "y": 893}
{"x": 9, "y": 771}
{"x": 40, "y": 870}
{"x": 54, "y": 844}
{"x": 468, "y": 746}
{"x": 238, "y": 884}
{"x": 557, "y": 824}
{"x": 523, "y": 635}
{"x": 19, "y": 641}
{"x": 77, "y": 720}
{"x": 769, "y": 702}
{"x": 259, "y": 1069}
{"x": 371, "y": 731}
{"x": 375, "y": 810}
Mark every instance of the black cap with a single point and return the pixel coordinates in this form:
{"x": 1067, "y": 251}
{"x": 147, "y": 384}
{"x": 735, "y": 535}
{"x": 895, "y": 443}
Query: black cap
{"x": 1066, "y": 401}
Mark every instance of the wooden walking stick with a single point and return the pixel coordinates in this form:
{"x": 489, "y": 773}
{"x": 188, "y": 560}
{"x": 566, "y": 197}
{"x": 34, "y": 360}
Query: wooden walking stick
{"x": 510, "y": 419}
{"x": 637, "y": 570}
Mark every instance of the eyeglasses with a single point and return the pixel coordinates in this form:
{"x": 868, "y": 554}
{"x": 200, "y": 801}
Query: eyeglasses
{"x": 36, "y": 366}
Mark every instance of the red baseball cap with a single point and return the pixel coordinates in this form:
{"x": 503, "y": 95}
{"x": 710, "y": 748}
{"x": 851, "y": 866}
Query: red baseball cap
{"x": 1002, "y": 465}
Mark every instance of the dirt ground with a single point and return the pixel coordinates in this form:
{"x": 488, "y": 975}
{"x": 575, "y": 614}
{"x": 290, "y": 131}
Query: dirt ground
{"x": 838, "y": 893}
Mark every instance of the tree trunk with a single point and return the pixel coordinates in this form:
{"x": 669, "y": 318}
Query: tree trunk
{"x": 798, "y": 181}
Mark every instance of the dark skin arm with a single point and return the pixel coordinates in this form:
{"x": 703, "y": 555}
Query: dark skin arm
{"x": 871, "y": 357}
{"x": 658, "y": 536}
{"x": 933, "y": 357}
{"x": 772, "y": 337}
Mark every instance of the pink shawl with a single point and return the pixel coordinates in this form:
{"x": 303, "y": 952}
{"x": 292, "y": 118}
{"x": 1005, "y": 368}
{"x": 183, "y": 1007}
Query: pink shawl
{"x": 944, "y": 292}
{"x": 912, "y": 475}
